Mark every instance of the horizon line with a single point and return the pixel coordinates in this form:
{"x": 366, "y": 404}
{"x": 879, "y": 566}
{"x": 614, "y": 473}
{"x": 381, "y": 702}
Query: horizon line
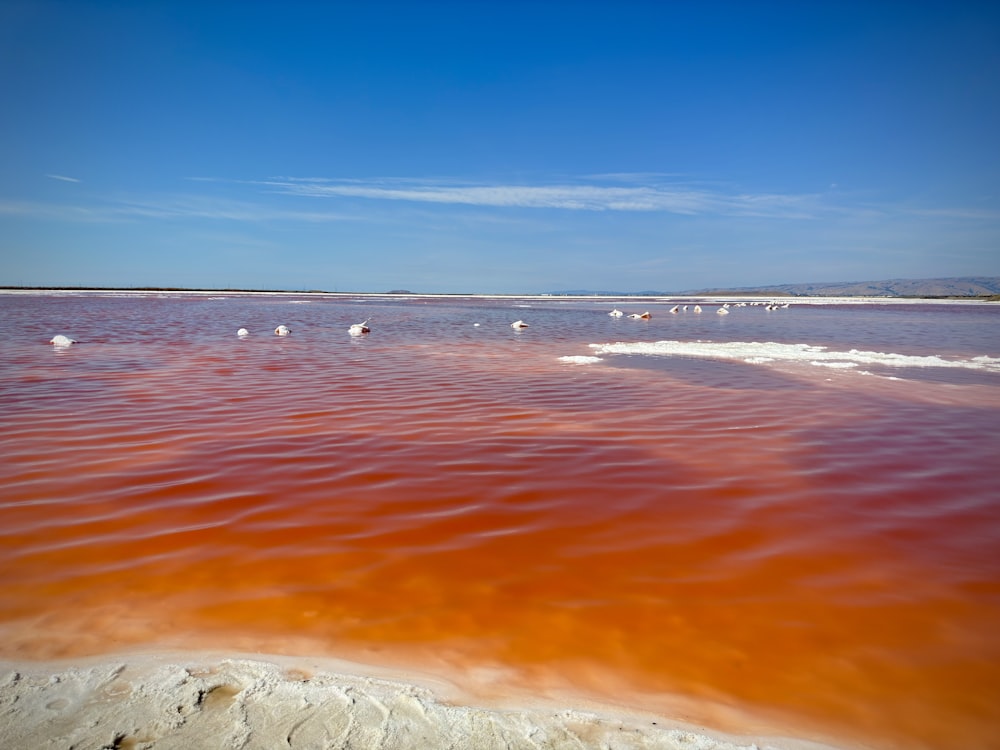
{"x": 776, "y": 290}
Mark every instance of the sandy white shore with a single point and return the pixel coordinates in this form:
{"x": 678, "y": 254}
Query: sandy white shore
{"x": 165, "y": 701}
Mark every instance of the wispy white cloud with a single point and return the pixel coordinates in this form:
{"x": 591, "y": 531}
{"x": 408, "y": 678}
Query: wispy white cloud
{"x": 679, "y": 199}
{"x": 202, "y": 207}
{"x": 274, "y": 200}
{"x": 53, "y": 211}
{"x": 168, "y": 208}
{"x": 62, "y": 177}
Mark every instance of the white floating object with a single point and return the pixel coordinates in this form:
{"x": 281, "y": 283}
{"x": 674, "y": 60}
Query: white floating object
{"x": 697, "y": 308}
{"x": 243, "y": 332}
{"x": 518, "y": 324}
{"x": 616, "y": 313}
{"x": 674, "y": 309}
{"x": 282, "y": 330}
{"x": 722, "y": 311}
{"x": 359, "y": 328}
{"x": 60, "y": 340}
{"x": 644, "y": 316}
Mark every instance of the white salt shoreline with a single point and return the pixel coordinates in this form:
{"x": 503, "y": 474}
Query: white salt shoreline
{"x": 664, "y": 299}
{"x": 209, "y": 700}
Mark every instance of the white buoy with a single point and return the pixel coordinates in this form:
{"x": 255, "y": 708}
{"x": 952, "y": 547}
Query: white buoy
{"x": 518, "y": 324}
{"x": 243, "y": 332}
{"x": 359, "y": 328}
{"x": 282, "y": 330}
{"x": 616, "y": 313}
{"x": 60, "y": 340}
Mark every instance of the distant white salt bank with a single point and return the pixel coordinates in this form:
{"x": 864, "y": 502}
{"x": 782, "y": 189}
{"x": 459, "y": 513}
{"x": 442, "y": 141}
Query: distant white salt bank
{"x": 282, "y": 330}
{"x": 753, "y": 352}
{"x": 60, "y": 340}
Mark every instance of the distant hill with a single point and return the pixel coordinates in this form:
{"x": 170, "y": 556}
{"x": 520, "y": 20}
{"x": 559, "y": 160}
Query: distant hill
{"x": 966, "y": 286}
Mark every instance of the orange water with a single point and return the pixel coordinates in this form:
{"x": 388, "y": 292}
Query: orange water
{"x": 817, "y": 549}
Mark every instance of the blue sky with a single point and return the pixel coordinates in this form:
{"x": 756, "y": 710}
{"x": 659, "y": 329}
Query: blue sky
{"x": 507, "y": 147}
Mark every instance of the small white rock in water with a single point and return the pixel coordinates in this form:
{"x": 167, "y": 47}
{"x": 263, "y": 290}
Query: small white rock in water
{"x": 359, "y": 328}
{"x": 282, "y": 330}
{"x": 60, "y": 340}
{"x": 518, "y": 324}
{"x": 243, "y": 332}
{"x": 616, "y": 313}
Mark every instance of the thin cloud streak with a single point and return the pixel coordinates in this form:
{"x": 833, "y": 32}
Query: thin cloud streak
{"x": 185, "y": 207}
{"x": 648, "y": 198}
{"x": 679, "y": 200}
{"x": 213, "y": 209}
{"x": 48, "y": 211}
{"x": 62, "y": 177}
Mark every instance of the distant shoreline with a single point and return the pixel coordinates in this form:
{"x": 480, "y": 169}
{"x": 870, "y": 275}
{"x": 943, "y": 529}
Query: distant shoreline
{"x": 721, "y": 296}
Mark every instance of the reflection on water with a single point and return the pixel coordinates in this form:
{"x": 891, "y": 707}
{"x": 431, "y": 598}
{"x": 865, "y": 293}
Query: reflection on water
{"x": 804, "y": 540}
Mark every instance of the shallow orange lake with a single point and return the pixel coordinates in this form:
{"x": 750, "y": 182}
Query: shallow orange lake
{"x": 815, "y": 545}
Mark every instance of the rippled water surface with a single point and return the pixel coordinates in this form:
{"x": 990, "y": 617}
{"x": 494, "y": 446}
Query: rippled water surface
{"x": 791, "y": 512}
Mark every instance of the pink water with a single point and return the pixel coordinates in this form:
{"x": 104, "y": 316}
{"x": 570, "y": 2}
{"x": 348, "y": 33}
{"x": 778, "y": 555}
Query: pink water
{"x": 816, "y": 545}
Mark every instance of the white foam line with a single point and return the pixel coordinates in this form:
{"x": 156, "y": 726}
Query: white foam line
{"x": 760, "y": 353}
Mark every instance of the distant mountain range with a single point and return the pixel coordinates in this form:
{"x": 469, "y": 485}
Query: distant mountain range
{"x": 965, "y": 286}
